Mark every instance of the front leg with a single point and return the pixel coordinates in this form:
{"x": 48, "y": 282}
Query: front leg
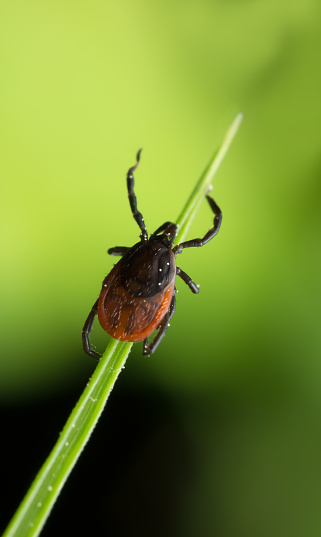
{"x": 209, "y": 235}
{"x": 149, "y": 349}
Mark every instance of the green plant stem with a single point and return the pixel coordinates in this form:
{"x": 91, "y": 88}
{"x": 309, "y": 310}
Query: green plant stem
{"x": 188, "y": 213}
{"x": 39, "y": 500}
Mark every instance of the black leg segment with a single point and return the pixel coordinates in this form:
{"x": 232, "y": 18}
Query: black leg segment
{"x": 133, "y": 201}
{"x": 86, "y": 332}
{"x": 118, "y": 250}
{"x": 209, "y": 235}
{"x": 192, "y": 285}
{"x": 149, "y": 349}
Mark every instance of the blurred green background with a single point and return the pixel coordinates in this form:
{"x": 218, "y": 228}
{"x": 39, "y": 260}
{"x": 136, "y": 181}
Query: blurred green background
{"x": 83, "y": 85}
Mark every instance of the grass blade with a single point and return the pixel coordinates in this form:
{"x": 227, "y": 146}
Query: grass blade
{"x": 188, "y": 213}
{"x": 39, "y": 500}
{"x": 43, "y": 492}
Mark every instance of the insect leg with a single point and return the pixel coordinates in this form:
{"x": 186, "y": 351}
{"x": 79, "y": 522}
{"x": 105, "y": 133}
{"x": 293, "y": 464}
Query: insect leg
{"x": 149, "y": 349}
{"x": 133, "y": 201}
{"x": 118, "y": 250}
{"x": 86, "y": 332}
{"x": 192, "y": 285}
{"x": 209, "y": 235}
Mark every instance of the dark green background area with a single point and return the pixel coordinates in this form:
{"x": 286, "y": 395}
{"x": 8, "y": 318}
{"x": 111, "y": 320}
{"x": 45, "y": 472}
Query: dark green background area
{"x": 229, "y": 407}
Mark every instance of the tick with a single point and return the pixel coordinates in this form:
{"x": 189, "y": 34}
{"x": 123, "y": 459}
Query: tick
{"x": 138, "y": 295}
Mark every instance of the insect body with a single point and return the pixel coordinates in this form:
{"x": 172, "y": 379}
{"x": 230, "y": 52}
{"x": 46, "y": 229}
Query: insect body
{"x": 138, "y": 295}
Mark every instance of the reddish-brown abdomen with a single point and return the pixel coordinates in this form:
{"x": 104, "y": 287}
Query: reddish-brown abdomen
{"x": 130, "y": 318}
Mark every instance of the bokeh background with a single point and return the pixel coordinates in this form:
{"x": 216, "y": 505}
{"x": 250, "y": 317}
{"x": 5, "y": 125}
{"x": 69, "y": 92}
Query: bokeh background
{"x": 219, "y": 432}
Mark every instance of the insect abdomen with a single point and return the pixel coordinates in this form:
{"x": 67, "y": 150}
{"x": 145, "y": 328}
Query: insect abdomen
{"x": 129, "y": 318}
